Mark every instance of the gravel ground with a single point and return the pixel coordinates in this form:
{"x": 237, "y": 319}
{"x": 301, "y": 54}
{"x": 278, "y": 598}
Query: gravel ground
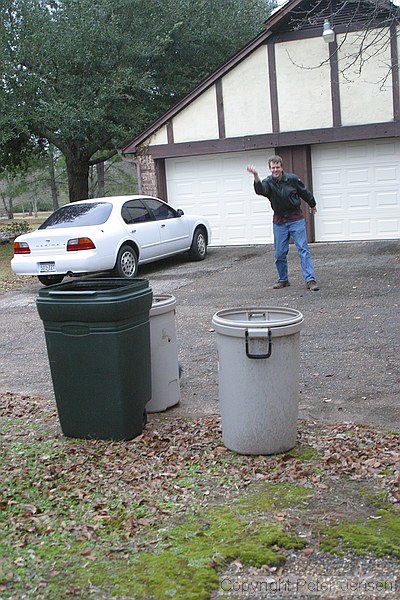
{"x": 349, "y": 368}
{"x": 318, "y": 575}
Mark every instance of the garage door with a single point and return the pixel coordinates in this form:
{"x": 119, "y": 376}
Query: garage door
{"x": 218, "y": 186}
{"x": 356, "y": 186}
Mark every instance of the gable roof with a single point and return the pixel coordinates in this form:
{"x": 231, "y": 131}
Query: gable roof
{"x": 303, "y": 16}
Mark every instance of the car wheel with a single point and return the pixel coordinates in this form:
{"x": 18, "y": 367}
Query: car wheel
{"x": 127, "y": 262}
{"x": 50, "y": 279}
{"x": 198, "y": 249}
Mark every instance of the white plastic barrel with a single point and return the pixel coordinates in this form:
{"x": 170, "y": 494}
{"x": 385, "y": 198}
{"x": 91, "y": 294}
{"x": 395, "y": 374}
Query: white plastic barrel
{"x": 164, "y": 354}
{"x": 259, "y": 361}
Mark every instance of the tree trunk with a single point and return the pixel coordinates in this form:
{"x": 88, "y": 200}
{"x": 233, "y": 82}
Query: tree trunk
{"x": 53, "y": 183}
{"x": 9, "y": 207}
{"x": 100, "y": 180}
{"x": 78, "y": 175}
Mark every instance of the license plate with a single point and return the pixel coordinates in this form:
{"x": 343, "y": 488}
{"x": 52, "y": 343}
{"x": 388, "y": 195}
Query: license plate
{"x": 47, "y": 267}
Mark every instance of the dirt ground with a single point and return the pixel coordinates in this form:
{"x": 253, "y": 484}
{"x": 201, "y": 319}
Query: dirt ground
{"x": 349, "y": 367}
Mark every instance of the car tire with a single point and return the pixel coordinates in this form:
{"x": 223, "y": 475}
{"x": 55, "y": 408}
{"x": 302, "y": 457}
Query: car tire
{"x": 50, "y": 279}
{"x": 127, "y": 262}
{"x": 198, "y": 249}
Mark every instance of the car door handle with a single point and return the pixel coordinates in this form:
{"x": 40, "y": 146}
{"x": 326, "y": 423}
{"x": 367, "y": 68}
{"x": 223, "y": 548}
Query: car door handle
{"x": 133, "y": 230}
{"x": 163, "y": 225}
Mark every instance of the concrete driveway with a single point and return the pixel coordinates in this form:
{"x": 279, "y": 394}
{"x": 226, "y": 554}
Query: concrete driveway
{"x": 349, "y": 365}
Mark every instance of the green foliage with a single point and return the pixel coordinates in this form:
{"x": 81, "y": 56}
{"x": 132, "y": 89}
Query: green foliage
{"x": 15, "y": 228}
{"x": 24, "y": 206}
{"x": 88, "y": 76}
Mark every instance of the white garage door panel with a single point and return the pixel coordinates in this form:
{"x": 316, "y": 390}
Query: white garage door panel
{"x": 388, "y": 228}
{"x": 356, "y": 185}
{"x": 386, "y": 199}
{"x": 219, "y": 187}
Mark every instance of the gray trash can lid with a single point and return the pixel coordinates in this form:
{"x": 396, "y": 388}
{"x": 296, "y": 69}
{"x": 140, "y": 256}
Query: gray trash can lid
{"x": 162, "y": 303}
{"x": 280, "y": 320}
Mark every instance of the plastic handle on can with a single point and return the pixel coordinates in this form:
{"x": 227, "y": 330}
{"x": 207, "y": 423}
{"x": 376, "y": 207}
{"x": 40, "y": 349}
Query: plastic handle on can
{"x": 73, "y": 293}
{"x": 258, "y": 334}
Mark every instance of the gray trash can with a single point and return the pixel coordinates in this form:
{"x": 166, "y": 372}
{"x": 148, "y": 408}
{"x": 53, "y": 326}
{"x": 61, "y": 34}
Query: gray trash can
{"x": 164, "y": 354}
{"x": 258, "y": 354}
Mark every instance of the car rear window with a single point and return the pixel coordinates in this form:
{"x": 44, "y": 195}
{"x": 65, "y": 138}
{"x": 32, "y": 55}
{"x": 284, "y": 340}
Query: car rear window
{"x": 78, "y": 215}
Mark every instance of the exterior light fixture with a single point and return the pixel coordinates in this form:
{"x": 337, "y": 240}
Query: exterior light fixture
{"x": 328, "y": 33}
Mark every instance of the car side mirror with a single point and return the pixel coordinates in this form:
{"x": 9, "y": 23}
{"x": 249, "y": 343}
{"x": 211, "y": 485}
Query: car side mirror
{"x": 179, "y": 212}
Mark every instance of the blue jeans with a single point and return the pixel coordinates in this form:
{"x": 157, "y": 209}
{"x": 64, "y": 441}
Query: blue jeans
{"x": 282, "y": 233}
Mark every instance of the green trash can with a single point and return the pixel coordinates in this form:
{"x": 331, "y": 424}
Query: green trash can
{"x": 97, "y": 335}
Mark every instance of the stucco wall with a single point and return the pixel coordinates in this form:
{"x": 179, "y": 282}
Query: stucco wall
{"x": 199, "y": 120}
{"x": 159, "y": 137}
{"x": 303, "y": 82}
{"x": 365, "y": 88}
{"x": 247, "y": 106}
{"x": 303, "y": 88}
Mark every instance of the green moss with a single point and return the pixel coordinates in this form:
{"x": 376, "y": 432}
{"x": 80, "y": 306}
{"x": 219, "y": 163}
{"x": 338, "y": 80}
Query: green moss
{"x": 377, "y": 500}
{"x": 185, "y": 565}
{"x": 305, "y": 453}
{"x": 380, "y": 535}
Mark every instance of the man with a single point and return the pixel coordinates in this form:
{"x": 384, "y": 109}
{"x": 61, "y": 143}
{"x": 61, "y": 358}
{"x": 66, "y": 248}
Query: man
{"x": 284, "y": 191}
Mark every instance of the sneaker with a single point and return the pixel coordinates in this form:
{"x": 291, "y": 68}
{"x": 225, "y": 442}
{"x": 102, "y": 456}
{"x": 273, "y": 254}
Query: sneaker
{"x": 280, "y": 284}
{"x": 312, "y": 285}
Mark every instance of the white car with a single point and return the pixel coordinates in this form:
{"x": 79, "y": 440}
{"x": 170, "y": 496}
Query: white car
{"x": 108, "y": 234}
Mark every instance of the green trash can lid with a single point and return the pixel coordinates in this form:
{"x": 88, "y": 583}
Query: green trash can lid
{"x": 90, "y": 287}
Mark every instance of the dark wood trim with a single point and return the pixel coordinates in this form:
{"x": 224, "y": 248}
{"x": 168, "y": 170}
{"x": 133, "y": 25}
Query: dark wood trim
{"x": 297, "y": 159}
{"x": 335, "y": 90}
{"x": 273, "y": 88}
{"x": 315, "y": 32}
{"x": 395, "y": 72}
{"x": 170, "y": 132}
{"x": 292, "y": 36}
{"x": 220, "y": 108}
{"x": 276, "y": 140}
{"x": 161, "y": 178}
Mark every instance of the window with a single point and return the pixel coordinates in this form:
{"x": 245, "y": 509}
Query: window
{"x": 160, "y": 210}
{"x": 78, "y": 215}
{"x": 135, "y": 211}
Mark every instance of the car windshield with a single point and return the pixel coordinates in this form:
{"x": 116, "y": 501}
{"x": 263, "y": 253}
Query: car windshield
{"x": 78, "y": 215}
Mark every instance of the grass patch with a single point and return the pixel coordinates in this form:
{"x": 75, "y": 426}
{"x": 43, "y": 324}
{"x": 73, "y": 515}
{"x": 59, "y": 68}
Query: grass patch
{"x": 165, "y": 515}
{"x": 8, "y": 280}
{"x": 6, "y": 254}
{"x": 184, "y": 563}
{"x": 304, "y": 453}
{"x": 187, "y": 562}
{"x": 380, "y": 534}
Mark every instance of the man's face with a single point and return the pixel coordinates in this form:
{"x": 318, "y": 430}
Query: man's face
{"x": 276, "y": 169}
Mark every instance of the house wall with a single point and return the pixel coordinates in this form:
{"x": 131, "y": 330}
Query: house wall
{"x": 159, "y": 137}
{"x": 289, "y": 86}
{"x": 148, "y": 175}
{"x": 289, "y": 92}
{"x": 199, "y": 121}
{"x": 246, "y": 98}
{"x": 303, "y": 75}
{"x": 365, "y": 88}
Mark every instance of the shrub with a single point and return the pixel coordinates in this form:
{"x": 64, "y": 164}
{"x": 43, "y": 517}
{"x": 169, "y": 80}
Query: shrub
{"x": 14, "y": 229}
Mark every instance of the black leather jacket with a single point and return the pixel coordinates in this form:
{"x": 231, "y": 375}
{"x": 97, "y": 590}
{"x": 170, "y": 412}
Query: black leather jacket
{"x": 284, "y": 193}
